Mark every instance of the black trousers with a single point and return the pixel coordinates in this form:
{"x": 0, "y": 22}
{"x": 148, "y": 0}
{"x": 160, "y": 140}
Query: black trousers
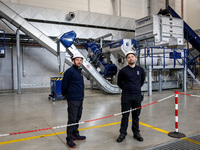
{"x": 130, "y": 102}
{"x": 74, "y": 116}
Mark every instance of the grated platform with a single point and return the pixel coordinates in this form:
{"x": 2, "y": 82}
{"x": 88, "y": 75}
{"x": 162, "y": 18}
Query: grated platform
{"x": 180, "y": 144}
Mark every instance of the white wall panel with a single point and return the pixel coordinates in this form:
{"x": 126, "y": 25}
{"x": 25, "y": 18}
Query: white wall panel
{"x": 133, "y": 8}
{"x": 178, "y": 7}
{"x": 153, "y": 7}
{"x": 6, "y": 70}
{"x": 192, "y": 9}
{"x": 39, "y": 66}
{"x": 70, "y": 5}
{"x": 101, "y": 6}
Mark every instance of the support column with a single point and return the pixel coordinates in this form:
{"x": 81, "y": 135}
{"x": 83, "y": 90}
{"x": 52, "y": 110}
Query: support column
{"x": 166, "y": 3}
{"x": 184, "y": 86}
{"x": 18, "y": 61}
{"x": 150, "y": 81}
{"x": 116, "y": 7}
{"x": 61, "y": 51}
{"x": 160, "y": 81}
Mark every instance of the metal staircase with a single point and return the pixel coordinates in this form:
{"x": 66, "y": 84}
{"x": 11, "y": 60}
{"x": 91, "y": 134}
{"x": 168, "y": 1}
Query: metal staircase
{"x": 20, "y": 23}
{"x": 193, "y": 68}
{"x": 191, "y": 79}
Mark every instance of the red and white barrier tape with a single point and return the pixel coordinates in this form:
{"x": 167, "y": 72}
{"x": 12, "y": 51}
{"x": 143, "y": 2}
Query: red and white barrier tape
{"x": 64, "y": 126}
{"x": 176, "y": 107}
{"x": 189, "y": 94}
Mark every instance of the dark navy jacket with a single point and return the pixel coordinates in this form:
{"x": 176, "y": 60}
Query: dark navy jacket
{"x": 72, "y": 86}
{"x": 130, "y": 80}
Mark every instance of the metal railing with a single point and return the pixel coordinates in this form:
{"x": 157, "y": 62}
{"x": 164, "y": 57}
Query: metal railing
{"x": 193, "y": 64}
{"x": 173, "y": 53}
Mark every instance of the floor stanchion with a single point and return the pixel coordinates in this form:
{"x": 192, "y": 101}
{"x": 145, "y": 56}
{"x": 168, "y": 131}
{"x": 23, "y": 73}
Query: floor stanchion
{"x": 176, "y": 133}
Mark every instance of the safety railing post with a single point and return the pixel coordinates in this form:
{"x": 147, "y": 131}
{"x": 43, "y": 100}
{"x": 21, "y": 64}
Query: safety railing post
{"x": 176, "y": 133}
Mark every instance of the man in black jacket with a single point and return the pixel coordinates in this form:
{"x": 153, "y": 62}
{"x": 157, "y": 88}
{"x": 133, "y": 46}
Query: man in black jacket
{"x": 130, "y": 80}
{"x": 73, "y": 89}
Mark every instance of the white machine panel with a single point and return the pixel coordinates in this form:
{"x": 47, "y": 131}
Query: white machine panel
{"x": 158, "y": 30}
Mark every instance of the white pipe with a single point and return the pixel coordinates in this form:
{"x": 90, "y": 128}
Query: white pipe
{"x": 148, "y": 8}
{"x": 88, "y": 5}
{"x": 117, "y": 7}
{"x": 18, "y": 61}
{"x": 150, "y": 81}
{"x": 185, "y": 79}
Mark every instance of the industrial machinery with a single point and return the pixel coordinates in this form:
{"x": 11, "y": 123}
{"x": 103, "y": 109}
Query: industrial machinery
{"x": 158, "y": 44}
{"x": 101, "y": 61}
{"x": 191, "y": 37}
{"x": 67, "y": 40}
{"x": 156, "y": 32}
{"x": 23, "y": 25}
{"x": 118, "y": 50}
{"x": 162, "y": 43}
{"x": 161, "y": 49}
{"x": 160, "y": 31}
{"x": 161, "y": 53}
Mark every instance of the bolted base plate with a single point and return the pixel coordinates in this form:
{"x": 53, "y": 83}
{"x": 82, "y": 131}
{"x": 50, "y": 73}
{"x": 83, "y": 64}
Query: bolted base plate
{"x": 176, "y": 134}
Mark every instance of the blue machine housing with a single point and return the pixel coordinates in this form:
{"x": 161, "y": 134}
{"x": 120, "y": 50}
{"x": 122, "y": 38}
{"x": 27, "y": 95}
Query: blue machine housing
{"x": 97, "y": 52}
{"x": 175, "y": 55}
{"x": 120, "y": 42}
{"x": 97, "y": 57}
{"x": 110, "y": 70}
{"x": 68, "y": 38}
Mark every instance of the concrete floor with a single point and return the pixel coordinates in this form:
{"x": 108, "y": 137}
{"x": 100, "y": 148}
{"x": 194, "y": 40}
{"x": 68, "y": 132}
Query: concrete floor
{"x": 32, "y": 110}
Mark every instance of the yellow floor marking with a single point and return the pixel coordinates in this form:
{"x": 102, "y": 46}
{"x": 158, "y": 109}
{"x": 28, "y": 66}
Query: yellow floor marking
{"x": 193, "y": 141}
{"x": 93, "y": 127}
{"x": 104, "y": 125}
{"x": 166, "y": 132}
{"x": 30, "y": 138}
{"x": 158, "y": 129}
{"x": 57, "y": 133}
{"x": 196, "y": 88}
